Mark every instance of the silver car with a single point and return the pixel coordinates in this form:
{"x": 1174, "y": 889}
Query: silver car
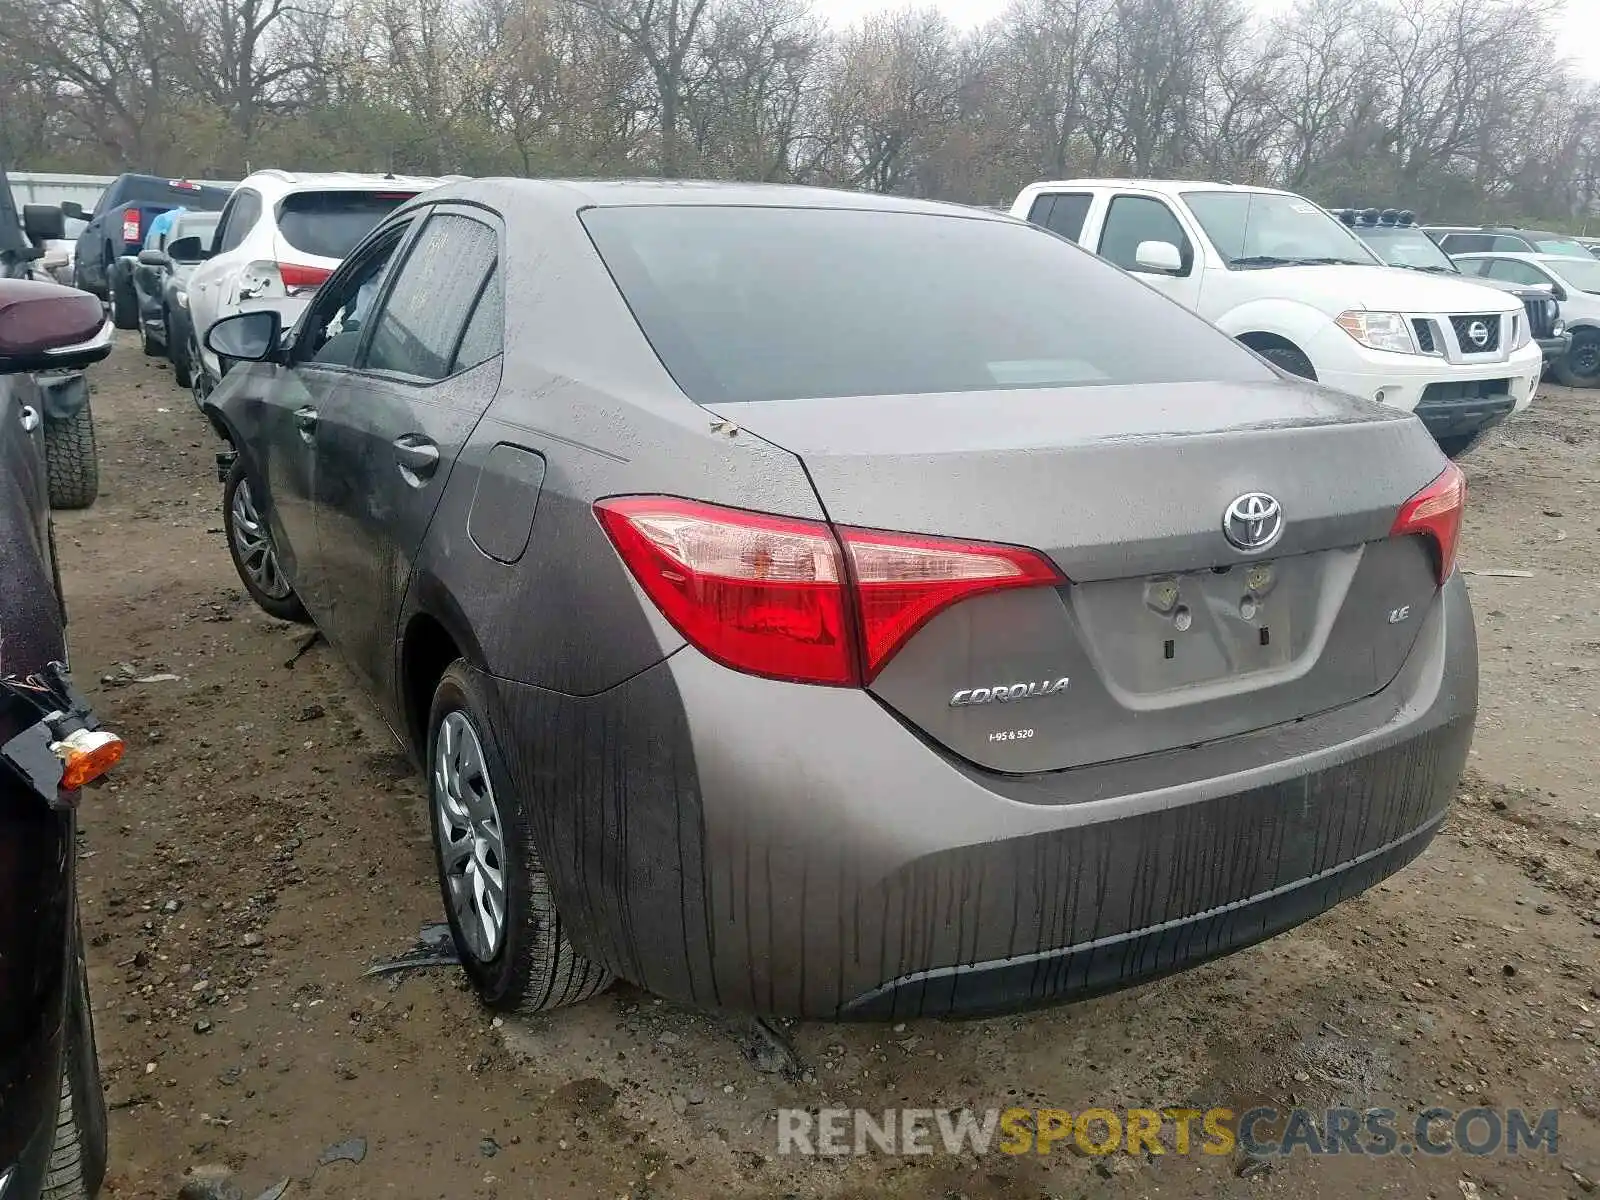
{"x": 837, "y": 605}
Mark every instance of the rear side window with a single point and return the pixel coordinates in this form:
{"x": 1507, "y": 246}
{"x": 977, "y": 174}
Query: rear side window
{"x": 1135, "y": 219}
{"x": 787, "y": 303}
{"x": 1062, "y": 213}
{"x": 330, "y": 224}
{"x": 1466, "y": 243}
{"x": 434, "y": 297}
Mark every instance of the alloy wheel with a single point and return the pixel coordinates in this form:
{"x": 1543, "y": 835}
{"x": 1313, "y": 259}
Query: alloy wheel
{"x": 471, "y": 843}
{"x": 253, "y": 542}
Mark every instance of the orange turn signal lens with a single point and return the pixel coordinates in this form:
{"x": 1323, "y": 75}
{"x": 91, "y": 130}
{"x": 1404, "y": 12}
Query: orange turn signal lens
{"x": 86, "y": 755}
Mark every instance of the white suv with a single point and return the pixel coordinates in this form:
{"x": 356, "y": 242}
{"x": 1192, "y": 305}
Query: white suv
{"x": 1294, "y": 284}
{"x": 279, "y": 236}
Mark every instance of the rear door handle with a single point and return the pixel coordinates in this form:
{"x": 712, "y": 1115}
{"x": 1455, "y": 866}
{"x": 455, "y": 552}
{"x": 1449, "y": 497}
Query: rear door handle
{"x": 417, "y": 456}
{"x": 30, "y": 419}
{"x": 305, "y": 420}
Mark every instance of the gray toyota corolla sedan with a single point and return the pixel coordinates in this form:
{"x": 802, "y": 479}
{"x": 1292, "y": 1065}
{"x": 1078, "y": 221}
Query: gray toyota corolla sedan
{"x": 834, "y": 605}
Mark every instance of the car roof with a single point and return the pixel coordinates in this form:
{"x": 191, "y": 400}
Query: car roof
{"x": 1164, "y": 186}
{"x": 341, "y": 180}
{"x": 578, "y": 194}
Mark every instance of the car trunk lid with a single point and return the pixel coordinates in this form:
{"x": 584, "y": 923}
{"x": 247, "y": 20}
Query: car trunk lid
{"x": 1168, "y": 633}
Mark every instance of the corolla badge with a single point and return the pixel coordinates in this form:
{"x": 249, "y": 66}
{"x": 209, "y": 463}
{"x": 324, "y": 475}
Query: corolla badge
{"x": 1253, "y": 522}
{"x": 1005, "y": 693}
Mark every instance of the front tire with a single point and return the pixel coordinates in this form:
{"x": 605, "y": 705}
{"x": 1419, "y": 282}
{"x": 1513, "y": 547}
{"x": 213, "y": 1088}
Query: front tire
{"x": 72, "y": 461}
{"x": 77, "y": 1163}
{"x": 1289, "y": 359}
{"x": 495, "y": 889}
{"x": 151, "y": 347}
{"x": 254, "y": 553}
{"x": 1579, "y": 367}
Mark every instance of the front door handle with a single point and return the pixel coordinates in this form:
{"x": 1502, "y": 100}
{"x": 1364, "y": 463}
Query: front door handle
{"x": 417, "y": 456}
{"x": 305, "y": 420}
{"x": 30, "y": 419}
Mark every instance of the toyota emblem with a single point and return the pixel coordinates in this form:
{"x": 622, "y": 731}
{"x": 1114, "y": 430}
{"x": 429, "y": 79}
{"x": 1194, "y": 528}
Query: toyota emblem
{"x": 1478, "y": 334}
{"x": 1253, "y": 522}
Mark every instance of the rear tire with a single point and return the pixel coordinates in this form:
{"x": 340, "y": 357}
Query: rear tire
{"x": 71, "y": 460}
{"x": 1579, "y": 367}
{"x": 124, "y": 303}
{"x": 254, "y": 554}
{"x": 526, "y": 964}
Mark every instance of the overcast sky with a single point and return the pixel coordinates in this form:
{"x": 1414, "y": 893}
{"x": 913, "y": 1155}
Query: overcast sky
{"x": 1580, "y": 27}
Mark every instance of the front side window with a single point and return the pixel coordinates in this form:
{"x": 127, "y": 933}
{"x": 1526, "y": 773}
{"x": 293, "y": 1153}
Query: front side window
{"x": 1562, "y": 246}
{"x": 1135, "y": 219}
{"x": 342, "y": 308}
{"x": 778, "y": 304}
{"x": 1581, "y": 273}
{"x": 1252, "y": 230}
{"x": 1515, "y": 272}
{"x": 1466, "y": 243}
{"x": 420, "y": 325}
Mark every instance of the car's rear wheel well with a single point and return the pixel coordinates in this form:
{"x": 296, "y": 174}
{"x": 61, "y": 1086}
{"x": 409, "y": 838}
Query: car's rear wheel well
{"x": 427, "y": 651}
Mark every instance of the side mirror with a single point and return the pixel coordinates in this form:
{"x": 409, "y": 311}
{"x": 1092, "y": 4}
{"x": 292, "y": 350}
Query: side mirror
{"x": 1559, "y": 292}
{"x": 1160, "y": 257}
{"x": 71, "y": 208}
{"x": 43, "y": 223}
{"x": 47, "y": 327}
{"x": 187, "y": 250}
{"x": 153, "y": 258}
{"x": 247, "y": 336}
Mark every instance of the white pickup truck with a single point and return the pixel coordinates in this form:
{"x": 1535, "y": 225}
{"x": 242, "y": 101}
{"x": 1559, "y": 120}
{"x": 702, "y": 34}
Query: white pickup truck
{"x": 1294, "y": 284}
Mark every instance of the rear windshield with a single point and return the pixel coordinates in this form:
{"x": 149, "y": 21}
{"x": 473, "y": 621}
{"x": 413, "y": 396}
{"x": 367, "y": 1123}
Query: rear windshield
{"x": 330, "y": 224}
{"x": 787, "y": 303}
{"x": 165, "y": 192}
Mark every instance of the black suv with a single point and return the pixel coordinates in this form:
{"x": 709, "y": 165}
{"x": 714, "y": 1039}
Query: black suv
{"x": 52, "y": 1111}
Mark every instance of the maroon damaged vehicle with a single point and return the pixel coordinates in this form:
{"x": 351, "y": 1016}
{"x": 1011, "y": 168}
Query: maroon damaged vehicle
{"x": 52, "y": 1111}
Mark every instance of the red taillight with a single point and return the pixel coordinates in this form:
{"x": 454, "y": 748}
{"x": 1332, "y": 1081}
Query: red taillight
{"x": 297, "y": 278}
{"x": 1436, "y": 512}
{"x": 902, "y": 580}
{"x": 772, "y": 596}
{"x": 130, "y": 225}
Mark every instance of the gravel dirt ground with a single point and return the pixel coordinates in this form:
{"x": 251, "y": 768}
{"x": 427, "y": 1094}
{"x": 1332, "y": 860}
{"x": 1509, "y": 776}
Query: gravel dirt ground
{"x": 265, "y": 843}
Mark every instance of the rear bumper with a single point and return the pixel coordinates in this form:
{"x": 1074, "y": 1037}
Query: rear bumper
{"x": 737, "y": 843}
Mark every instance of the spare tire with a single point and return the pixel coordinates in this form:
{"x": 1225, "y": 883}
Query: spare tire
{"x": 71, "y": 460}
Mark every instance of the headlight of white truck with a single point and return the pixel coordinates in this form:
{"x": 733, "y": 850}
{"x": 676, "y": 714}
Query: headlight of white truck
{"x": 1379, "y": 330}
